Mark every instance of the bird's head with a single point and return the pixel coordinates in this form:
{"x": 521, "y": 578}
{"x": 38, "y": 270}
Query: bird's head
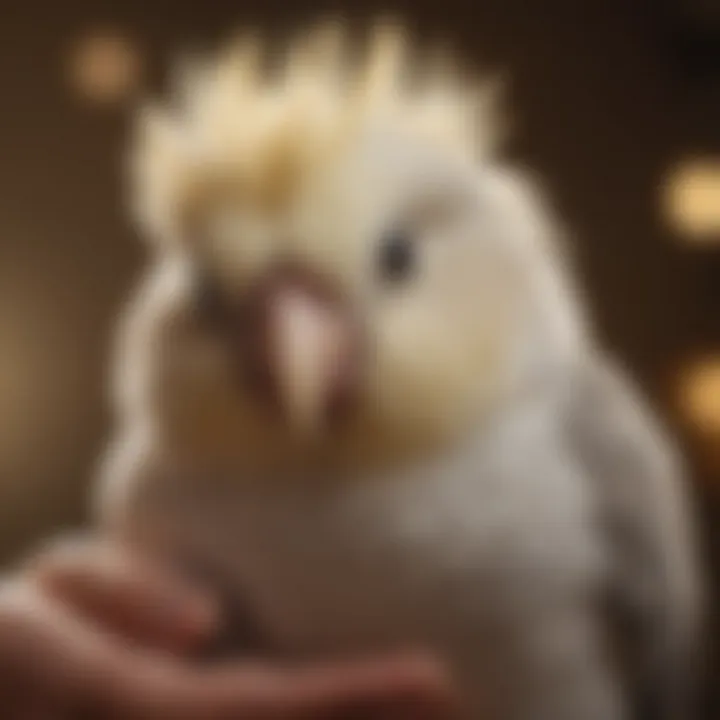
{"x": 340, "y": 267}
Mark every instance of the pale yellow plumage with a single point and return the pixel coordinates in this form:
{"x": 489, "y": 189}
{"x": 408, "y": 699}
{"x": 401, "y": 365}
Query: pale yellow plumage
{"x": 267, "y": 129}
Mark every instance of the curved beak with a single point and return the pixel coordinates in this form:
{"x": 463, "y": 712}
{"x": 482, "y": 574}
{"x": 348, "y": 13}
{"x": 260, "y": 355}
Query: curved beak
{"x": 308, "y": 352}
{"x": 310, "y": 349}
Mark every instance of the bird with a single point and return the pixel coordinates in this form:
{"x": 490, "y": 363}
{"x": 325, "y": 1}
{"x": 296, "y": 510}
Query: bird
{"x": 358, "y": 387}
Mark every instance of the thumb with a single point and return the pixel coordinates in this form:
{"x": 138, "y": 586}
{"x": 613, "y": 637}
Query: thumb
{"x": 126, "y": 595}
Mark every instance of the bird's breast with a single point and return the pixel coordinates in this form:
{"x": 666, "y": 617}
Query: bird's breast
{"x": 468, "y": 545}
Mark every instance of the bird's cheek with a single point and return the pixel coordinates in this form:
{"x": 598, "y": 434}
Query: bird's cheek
{"x": 407, "y": 356}
{"x": 429, "y": 368}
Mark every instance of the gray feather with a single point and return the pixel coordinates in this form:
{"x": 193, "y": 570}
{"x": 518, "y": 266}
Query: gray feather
{"x": 654, "y": 597}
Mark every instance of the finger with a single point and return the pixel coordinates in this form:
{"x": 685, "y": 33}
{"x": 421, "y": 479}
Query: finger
{"x": 125, "y": 594}
{"x": 411, "y": 686}
{"x": 52, "y": 657}
{"x": 63, "y": 658}
{"x": 402, "y": 688}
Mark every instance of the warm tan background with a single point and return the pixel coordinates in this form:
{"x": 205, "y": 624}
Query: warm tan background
{"x": 610, "y": 95}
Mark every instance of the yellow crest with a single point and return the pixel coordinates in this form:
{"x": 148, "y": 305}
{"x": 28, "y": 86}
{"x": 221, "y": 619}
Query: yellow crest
{"x": 263, "y": 124}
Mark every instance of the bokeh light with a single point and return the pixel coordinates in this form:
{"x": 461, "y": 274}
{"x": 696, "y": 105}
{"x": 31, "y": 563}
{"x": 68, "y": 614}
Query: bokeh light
{"x": 105, "y": 67}
{"x": 692, "y": 200}
{"x": 700, "y": 396}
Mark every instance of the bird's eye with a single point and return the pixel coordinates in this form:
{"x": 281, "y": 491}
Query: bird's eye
{"x": 209, "y": 301}
{"x": 397, "y": 257}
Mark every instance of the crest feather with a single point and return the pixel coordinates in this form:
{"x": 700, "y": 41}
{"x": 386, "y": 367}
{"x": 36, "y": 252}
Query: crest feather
{"x": 263, "y": 129}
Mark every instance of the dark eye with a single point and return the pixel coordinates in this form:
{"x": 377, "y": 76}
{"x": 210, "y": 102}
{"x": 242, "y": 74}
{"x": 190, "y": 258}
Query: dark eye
{"x": 397, "y": 257}
{"x": 209, "y": 301}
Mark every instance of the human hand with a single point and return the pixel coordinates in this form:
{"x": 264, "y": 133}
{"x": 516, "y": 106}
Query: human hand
{"x": 87, "y": 630}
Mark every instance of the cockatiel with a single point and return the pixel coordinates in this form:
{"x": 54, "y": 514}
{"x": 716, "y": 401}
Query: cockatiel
{"x": 357, "y": 390}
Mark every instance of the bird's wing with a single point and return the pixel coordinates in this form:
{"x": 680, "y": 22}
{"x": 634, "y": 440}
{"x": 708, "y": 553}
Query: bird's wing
{"x": 654, "y": 594}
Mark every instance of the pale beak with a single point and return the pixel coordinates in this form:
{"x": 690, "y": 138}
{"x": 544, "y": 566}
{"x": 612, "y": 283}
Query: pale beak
{"x": 310, "y": 348}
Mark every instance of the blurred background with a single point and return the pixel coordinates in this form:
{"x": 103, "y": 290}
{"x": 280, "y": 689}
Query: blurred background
{"x": 616, "y": 105}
